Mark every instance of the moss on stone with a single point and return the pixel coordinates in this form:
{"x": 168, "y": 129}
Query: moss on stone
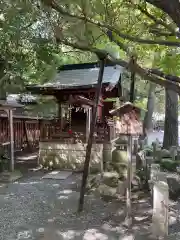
{"x": 72, "y": 156}
{"x": 169, "y": 164}
{"x": 119, "y": 156}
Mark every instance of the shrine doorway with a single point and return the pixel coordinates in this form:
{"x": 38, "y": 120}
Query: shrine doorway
{"x": 78, "y": 119}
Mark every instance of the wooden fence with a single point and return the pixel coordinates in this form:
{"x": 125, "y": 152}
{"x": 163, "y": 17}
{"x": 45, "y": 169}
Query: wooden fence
{"x": 26, "y": 133}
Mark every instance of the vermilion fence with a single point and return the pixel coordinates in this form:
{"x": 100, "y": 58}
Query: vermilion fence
{"x": 26, "y": 132}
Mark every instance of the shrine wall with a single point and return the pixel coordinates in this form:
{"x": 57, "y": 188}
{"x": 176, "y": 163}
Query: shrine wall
{"x": 69, "y": 156}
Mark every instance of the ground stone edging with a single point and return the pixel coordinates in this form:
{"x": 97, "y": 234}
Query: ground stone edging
{"x": 7, "y": 177}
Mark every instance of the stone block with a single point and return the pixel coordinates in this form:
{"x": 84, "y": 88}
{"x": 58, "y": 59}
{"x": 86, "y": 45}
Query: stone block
{"x": 94, "y": 181}
{"x": 119, "y": 156}
{"x": 173, "y": 181}
{"x": 161, "y": 176}
{"x": 121, "y": 169}
{"x": 69, "y": 156}
{"x": 6, "y": 177}
{"x": 121, "y": 188}
{"x": 105, "y": 190}
{"x": 160, "y": 209}
{"x": 107, "y": 155}
{"x": 155, "y": 168}
{"x": 165, "y": 153}
{"x": 173, "y": 152}
{"x": 140, "y": 160}
{"x": 110, "y": 179}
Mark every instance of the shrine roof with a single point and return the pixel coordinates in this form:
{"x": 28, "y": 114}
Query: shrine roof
{"x": 4, "y": 104}
{"x": 83, "y": 75}
{"x": 125, "y": 108}
{"x": 82, "y": 100}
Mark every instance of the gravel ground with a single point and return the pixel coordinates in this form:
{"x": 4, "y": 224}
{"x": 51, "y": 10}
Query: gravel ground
{"x": 40, "y": 209}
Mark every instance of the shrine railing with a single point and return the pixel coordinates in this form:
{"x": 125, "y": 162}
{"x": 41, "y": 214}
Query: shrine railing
{"x": 50, "y": 130}
{"x": 29, "y": 131}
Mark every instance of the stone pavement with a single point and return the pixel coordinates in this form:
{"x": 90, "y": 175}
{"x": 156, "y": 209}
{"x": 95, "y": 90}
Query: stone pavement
{"x": 40, "y": 209}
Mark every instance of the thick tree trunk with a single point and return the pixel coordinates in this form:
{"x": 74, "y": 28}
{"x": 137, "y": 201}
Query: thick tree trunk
{"x": 171, "y": 120}
{"x": 147, "y": 124}
{"x": 90, "y": 139}
{"x": 172, "y": 8}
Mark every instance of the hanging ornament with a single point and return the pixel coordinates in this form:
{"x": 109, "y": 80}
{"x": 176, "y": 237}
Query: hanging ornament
{"x": 70, "y": 120}
{"x": 70, "y": 131}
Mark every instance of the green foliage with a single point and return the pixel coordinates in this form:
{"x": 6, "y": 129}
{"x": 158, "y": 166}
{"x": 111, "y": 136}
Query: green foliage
{"x": 31, "y": 34}
{"x": 45, "y": 107}
{"x": 28, "y": 52}
{"x": 169, "y": 164}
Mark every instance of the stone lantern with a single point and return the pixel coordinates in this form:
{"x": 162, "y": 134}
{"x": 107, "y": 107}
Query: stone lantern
{"x": 128, "y": 124}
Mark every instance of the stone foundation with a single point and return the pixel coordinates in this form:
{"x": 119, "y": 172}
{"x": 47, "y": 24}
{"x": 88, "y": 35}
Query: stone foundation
{"x": 69, "y": 156}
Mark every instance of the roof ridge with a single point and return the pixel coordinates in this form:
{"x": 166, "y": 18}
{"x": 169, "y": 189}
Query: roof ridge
{"x": 77, "y": 66}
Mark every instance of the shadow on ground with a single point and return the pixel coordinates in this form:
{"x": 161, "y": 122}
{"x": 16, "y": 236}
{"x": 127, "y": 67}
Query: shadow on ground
{"x": 40, "y": 209}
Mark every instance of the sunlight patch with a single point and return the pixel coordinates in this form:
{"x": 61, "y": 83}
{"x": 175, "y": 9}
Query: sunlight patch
{"x": 70, "y": 234}
{"x": 58, "y": 175}
{"x": 24, "y": 235}
{"x": 65, "y": 191}
{"x": 27, "y": 183}
{"x": 94, "y": 234}
{"x": 40, "y": 230}
{"x": 62, "y": 197}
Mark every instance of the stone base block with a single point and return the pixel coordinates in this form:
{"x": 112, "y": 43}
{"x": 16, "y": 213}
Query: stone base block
{"x": 56, "y": 155}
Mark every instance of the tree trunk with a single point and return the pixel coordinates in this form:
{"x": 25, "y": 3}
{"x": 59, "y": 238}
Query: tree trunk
{"x": 147, "y": 124}
{"x": 171, "y": 119}
{"x": 90, "y": 139}
{"x": 132, "y": 87}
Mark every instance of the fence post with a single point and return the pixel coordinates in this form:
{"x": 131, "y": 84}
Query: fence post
{"x": 11, "y": 137}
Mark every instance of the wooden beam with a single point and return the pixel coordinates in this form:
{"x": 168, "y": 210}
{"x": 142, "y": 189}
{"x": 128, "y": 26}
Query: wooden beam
{"x": 90, "y": 139}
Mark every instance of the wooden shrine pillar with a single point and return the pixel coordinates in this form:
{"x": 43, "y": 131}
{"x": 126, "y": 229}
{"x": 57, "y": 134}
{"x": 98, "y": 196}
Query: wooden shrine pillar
{"x": 9, "y": 112}
{"x": 11, "y": 137}
{"x": 60, "y": 114}
{"x": 88, "y": 121}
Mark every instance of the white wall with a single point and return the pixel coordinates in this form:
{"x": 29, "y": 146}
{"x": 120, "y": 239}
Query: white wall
{"x": 152, "y": 136}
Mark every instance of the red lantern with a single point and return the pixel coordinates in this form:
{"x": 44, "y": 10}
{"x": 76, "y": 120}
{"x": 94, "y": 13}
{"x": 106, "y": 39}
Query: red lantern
{"x": 70, "y": 131}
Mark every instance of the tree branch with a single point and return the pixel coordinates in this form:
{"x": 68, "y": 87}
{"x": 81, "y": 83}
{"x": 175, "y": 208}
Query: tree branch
{"x": 59, "y": 9}
{"x": 143, "y": 73}
{"x": 159, "y": 91}
{"x": 159, "y": 33}
{"x": 118, "y": 43}
{"x": 172, "y": 8}
{"x": 163, "y": 75}
{"x": 151, "y": 71}
{"x": 158, "y": 21}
